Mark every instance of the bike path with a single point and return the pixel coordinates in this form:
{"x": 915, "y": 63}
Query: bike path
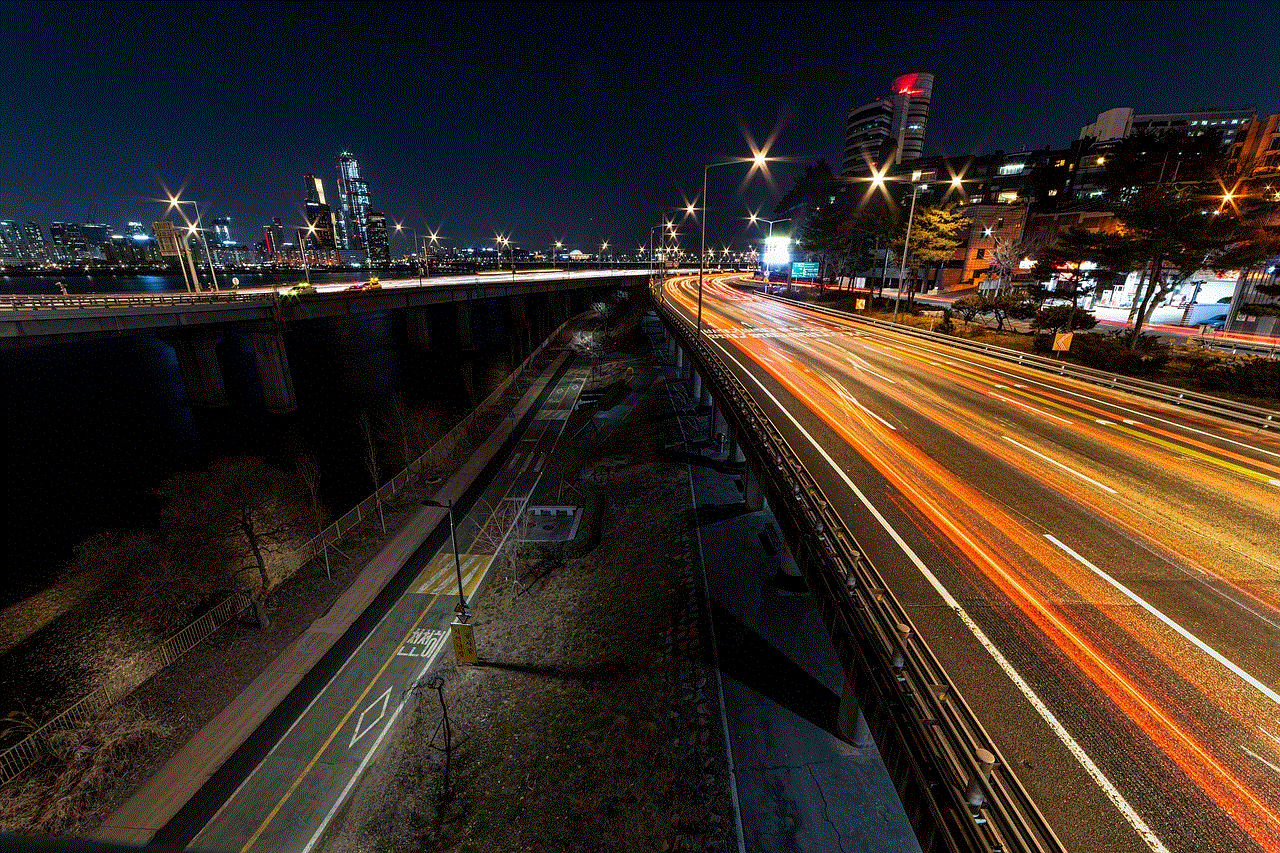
{"x": 287, "y": 802}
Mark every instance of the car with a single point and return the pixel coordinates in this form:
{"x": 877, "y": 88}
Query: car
{"x": 359, "y": 285}
{"x": 373, "y": 284}
{"x": 298, "y": 290}
{"x": 1216, "y": 323}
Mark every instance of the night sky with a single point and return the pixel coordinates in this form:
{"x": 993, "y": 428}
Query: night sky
{"x": 577, "y": 122}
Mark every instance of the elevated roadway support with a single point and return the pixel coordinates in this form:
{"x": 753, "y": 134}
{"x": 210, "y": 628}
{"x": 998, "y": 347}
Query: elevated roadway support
{"x": 418, "y": 327}
{"x": 198, "y": 361}
{"x": 273, "y": 371}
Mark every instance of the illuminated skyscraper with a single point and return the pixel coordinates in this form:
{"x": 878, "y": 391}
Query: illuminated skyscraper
{"x": 222, "y": 231}
{"x": 353, "y": 204}
{"x": 319, "y": 216}
{"x": 889, "y": 130}
{"x": 376, "y": 239}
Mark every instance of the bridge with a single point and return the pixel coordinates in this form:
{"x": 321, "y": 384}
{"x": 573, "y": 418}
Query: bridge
{"x": 193, "y": 323}
{"x": 1053, "y": 590}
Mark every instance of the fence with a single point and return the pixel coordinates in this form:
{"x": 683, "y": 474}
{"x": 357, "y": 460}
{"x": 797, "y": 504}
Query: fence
{"x": 27, "y": 751}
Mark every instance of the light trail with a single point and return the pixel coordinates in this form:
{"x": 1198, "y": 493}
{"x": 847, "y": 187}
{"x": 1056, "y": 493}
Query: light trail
{"x": 1013, "y": 559}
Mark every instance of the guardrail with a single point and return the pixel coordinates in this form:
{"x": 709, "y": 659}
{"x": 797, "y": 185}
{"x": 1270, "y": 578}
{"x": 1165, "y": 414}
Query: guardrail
{"x": 79, "y": 302}
{"x": 1208, "y": 404}
{"x": 960, "y": 794}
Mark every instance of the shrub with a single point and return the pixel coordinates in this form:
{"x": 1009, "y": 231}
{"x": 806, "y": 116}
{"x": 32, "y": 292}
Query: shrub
{"x": 1112, "y": 352}
{"x": 1254, "y": 375}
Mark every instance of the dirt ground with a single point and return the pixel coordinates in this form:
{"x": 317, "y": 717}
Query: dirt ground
{"x": 588, "y": 723}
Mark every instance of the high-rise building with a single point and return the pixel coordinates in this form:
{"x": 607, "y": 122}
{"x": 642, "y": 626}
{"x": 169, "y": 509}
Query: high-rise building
{"x": 96, "y": 236}
{"x": 376, "y": 238}
{"x": 222, "y": 231}
{"x": 353, "y": 203}
{"x": 68, "y": 243}
{"x": 33, "y": 237}
{"x": 889, "y": 130}
{"x": 319, "y": 217}
{"x": 273, "y": 239}
{"x": 11, "y": 253}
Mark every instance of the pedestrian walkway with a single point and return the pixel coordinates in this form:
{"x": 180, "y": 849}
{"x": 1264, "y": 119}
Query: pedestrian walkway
{"x": 799, "y": 786}
{"x": 197, "y": 777}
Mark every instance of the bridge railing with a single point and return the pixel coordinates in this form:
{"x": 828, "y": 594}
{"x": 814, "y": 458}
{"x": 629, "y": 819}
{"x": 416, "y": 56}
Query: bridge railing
{"x": 958, "y": 791}
{"x": 81, "y": 301}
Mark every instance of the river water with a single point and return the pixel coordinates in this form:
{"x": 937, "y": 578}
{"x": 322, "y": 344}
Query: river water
{"x": 91, "y": 427}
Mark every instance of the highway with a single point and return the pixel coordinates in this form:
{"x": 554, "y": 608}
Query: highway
{"x": 1097, "y": 572}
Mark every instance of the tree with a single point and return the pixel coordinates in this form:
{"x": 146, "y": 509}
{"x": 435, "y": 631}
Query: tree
{"x": 815, "y": 184}
{"x": 309, "y": 473}
{"x": 1008, "y": 255}
{"x": 234, "y": 514}
{"x": 1008, "y": 306}
{"x": 1082, "y": 260}
{"x": 935, "y": 236}
{"x": 969, "y": 307}
{"x": 1058, "y": 318}
{"x": 372, "y": 465}
{"x": 1179, "y": 230}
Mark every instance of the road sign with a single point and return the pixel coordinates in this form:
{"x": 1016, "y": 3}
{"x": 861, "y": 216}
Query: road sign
{"x": 167, "y": 237}
{"x": 1062, "y": 341}
{"x": 464, "y": 642}
{"x": 804, "y": 269}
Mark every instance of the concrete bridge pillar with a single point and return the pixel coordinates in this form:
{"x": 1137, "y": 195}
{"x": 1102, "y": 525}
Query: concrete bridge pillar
{"x": 850, "y": 721}
{"x": 671, "y": 350}
{"x": 273, "y": 371}
{"x": 679, "y": 362}
{"x": 198, "y": 361}
{"x": 518, "y": 323}
{"x": 695, "y": 384}
{"x": 464, "y": 324}
{"x": 416, "y": 325}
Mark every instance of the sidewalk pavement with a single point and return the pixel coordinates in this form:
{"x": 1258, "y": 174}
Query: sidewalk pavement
{"x": 160, "y": 799}
{"x": 799, "y": 785}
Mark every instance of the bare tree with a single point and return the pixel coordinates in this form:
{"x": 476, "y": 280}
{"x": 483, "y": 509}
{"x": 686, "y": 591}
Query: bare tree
{"x": 372, "y": 465}
{"x": 238, "y": 509}
{"x": 309, "y": 473}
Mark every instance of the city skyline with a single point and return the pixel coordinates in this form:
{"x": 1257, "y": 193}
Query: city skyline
{"x": 474, "y": 143}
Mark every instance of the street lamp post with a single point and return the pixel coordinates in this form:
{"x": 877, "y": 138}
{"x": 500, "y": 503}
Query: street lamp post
{"x": 757, "y": 161}
{"x": 906, "y": 242}
{"x": 174, "y": 201}
{"x": 302, "y": 248}
{"x": 463, "y": 610}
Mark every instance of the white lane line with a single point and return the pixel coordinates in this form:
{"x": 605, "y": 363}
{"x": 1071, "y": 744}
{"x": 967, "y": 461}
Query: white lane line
{"x": 1274, "y": 482}
{"x": 1060, "y": 465}
{"x": 515, "y": 457}
{"x": 1269, "y": 734}
{"x": 1077, "y": 751}
{"x": 1260, "y": 758}
{"x": 542, "y": 460}
{"x": 854, "y": 400}
{"x": 858, "y": 364}
{"x": 364, "y": 762}
{"x": 527, "y": 462}
{"x": 1029, "y": 408}
{"x": 1183, "y": 632}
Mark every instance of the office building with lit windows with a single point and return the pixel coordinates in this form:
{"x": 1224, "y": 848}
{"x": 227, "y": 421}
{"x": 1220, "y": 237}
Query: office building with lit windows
{"x": 889, "y": 130}
{"x": 353, "y": 204}
{"x": 1119, "y": 122}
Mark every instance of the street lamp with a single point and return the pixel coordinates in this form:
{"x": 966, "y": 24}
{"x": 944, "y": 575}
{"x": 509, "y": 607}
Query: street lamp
{"x": 603, "y": 247}
{"x": 916, "y": 186}
{"x": 464, "y": 612}
{"x": 192, "y": 227}
{"x": 757, "y": 161}
{"x": 302, "y": 248}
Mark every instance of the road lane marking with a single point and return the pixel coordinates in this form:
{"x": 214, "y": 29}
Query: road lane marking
{"x": 854, "y": 400}
{"x": 858, "y": 364}
{"x": 364, "y": 762}
{"x": 359, "y": 730}
{"x": 1092, "y": 769}
{"x": 1060, "y": 465}
{"x": 1029, "y": 408}
{"x": 1260, "y": 758}
{"x": 1183, "y": 632}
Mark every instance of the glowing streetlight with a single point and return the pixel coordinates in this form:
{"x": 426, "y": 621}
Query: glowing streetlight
{"x": 759, "y": 160}
{"x": 462, "y": 609}
{"x": 192, "y": 227}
